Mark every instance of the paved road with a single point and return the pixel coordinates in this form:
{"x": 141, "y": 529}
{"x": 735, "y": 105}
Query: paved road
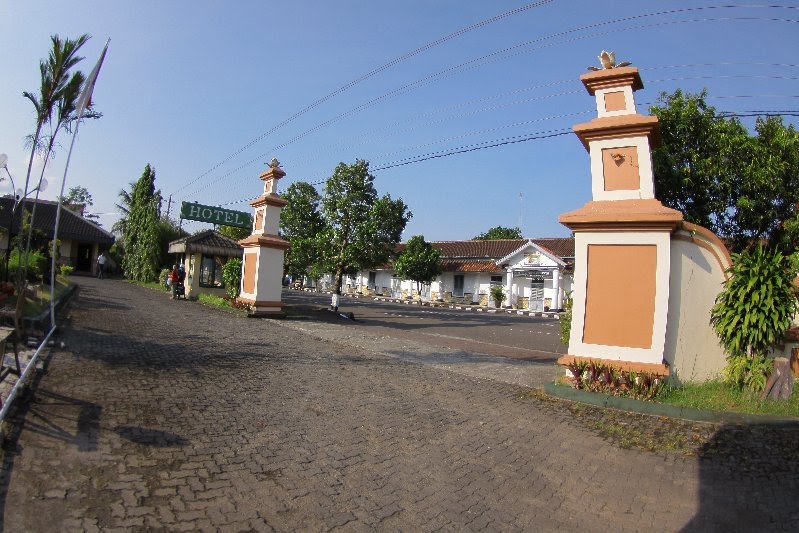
{"x": 168, "y": 415}
{"x": 519, "y": 337}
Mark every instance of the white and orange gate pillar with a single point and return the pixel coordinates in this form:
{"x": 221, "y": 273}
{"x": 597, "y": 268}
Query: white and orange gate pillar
{"x": 262, "y": 276}
{"x": 622, "y": 236}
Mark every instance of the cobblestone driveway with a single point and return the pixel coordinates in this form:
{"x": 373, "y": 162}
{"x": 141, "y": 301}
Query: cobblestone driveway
{"x": 169, "y": 415}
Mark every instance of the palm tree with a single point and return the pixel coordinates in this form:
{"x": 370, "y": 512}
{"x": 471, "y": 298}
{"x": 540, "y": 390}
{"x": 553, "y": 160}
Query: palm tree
{"x": 64, "y": 118}
{"x": 55, "y": 81}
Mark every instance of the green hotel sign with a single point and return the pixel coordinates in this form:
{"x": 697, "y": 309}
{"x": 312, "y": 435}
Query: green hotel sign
{"x": 215, "y": 215}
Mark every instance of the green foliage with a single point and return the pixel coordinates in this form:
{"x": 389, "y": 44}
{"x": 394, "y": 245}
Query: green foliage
{"x": 604, "y": 378}
{"x": 36, "y": 264}
{"x": 498, "y": 232}
{"x": 361, "y": 229}
{"x": 745, "y": 372}
{"x": 66, "y": 270}
{"x": 234, "y": 232}
{"x": 142, "y": 236}
{"x": 231, "y": 275}
{"x": 168, "y": 231}
{"x": 718, "y": 395}
{"x": 757, "y": 303}
{"x": 302, "y": 223}
{"x": 163, "y": 276}
{"x": 497, "y": 293}
{"x": 79, "y": 195}
{"x": 213, "y": 300}
{"x": 566, "y": 319}
{"x": 419, "y": 261}
{"x": 744, "y": 188}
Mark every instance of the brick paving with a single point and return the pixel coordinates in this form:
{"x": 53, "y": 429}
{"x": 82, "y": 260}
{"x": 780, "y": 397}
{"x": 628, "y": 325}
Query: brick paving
{"x": 168, "y": 415}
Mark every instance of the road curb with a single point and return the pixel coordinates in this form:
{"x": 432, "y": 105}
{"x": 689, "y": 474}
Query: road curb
{"x": 459, "y": 307}
{"x": 659, "y": 409}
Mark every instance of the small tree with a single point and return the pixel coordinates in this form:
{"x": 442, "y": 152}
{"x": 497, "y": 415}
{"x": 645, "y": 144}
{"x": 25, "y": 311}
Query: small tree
{"x": 498, "y": 232}
{"x": 231, "y": 275}
{"x": 754, "y": 309}
{"x": 419, "y": 262}
{"x": 361, "y": 229}
{"x": 497, "y": 294}
{"x": 142, "y": 231}
{"x": 301, "y": 223}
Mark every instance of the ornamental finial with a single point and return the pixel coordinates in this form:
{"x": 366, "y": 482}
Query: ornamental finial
{"x": 608, "y": 61}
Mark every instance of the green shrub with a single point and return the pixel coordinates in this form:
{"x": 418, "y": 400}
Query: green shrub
{"x": 747, "y": 372}
{"x": 497, "y": 293}
{"x": 231, "y": 275}
{"x": 758, "y": 302}
{"x": 163, "y": 276}
{"x": 36, "y": 264}
{"x": 753, "y": 311}
{"x": 566, "y": 319}
{"x": 66, "y": 270}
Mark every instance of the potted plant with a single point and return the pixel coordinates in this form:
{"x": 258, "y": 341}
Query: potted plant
{"x": 497, "y": 294}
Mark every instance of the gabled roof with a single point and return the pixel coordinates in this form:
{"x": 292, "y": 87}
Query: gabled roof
{"x": 481, "y": 256}
{"x": 71, "y": 226}
{"x": 208, "y": 242}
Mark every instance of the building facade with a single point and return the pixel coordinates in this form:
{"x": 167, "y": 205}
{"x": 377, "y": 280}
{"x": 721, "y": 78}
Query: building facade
{"x": 535, "y": 274}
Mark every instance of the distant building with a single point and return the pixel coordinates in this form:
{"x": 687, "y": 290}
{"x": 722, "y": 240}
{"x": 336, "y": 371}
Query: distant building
{"x": 81, "y": 239}
{"x": 203, "y": 255}
{"x": 536, "y": 274}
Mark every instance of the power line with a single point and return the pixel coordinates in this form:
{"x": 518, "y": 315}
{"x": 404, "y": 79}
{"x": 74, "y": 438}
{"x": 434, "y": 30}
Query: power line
{"x": 368, "y": 75}
{"x": 498, "y": 55}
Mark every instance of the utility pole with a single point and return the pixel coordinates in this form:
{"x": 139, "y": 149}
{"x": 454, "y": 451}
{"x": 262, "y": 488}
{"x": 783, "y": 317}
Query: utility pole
{"x": 168, "y": 206}
{"x": 521, "y": 211}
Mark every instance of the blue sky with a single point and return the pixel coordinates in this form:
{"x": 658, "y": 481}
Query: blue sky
{"x": 200, "y": 89}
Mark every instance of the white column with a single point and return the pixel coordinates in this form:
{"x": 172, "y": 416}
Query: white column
{"x": 556, "y": 288}
{"x": 509, "y": 288}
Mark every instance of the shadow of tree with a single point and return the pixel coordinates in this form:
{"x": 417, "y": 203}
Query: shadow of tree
{"x": 749, "y": 479}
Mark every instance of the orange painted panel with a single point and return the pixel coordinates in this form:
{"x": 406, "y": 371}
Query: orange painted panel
{"x": 620, "y": 295}
{"x": 250, "y": 262}
{"x": 615, "y": 101}
{"x": 259, "y": 219}
{"x": 620, "y": 167}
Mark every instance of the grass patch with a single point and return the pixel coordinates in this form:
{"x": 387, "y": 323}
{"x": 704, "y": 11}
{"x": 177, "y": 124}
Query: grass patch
{"x": 39, "y": 302}
{"x": 150, "y": 285}
{"x": 718, "y": 396}
{"x": 211, "y": 300}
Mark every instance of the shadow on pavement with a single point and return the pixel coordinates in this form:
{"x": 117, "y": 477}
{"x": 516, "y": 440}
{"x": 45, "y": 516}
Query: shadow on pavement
{"x": 749, "y": 479}
{"x": 150, "y": 437}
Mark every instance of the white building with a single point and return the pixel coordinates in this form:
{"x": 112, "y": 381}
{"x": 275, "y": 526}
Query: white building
{"x": 536, "y": 274}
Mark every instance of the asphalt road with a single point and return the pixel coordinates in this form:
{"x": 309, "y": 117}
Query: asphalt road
{"x": 500, "y": 334}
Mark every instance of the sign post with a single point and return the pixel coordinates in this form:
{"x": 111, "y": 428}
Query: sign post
{"x": 215, "y": 215}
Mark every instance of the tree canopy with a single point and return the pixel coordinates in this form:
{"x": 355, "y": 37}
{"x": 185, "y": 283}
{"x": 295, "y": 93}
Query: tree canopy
{"x": 419, "y": 262}
{"x": 79, "y": 195}
{"x": 141, "y": 229}
{"x": 499, "y": 232}
{"x": 743, "y": 187}
{"x": 301, "y": 223}
{"x": 362, "y": 229}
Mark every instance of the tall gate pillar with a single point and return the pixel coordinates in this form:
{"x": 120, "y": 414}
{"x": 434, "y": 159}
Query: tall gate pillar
{"x": 622, "y": 236}
{"x": 262, "y": 270}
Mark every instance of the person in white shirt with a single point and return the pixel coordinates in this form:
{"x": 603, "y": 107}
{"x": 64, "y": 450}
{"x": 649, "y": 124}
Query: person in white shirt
{"x": 101, "y": 265}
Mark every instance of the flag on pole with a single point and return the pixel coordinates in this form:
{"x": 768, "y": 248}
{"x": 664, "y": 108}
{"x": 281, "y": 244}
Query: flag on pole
{"x": 85, "y": 98}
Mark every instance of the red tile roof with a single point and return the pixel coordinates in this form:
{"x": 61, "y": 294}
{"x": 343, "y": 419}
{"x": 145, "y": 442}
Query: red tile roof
{"x": 481, "y": 256}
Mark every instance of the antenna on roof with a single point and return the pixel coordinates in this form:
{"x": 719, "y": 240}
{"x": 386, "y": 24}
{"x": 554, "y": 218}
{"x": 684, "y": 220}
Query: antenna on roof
{"x": 521, "y": 210}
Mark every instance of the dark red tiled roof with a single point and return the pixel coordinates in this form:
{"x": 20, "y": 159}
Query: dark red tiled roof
{"x": 71, "y": 226}
{"x": 481, "y": 256}
{"x": 210, "y": 242}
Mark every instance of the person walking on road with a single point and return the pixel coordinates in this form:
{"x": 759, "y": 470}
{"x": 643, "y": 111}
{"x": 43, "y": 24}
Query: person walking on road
{"x": 101, "y": 265}
{"x": 174, "y": 279}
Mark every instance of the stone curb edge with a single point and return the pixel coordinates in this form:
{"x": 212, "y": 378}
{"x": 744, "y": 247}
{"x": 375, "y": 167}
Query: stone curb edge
{"x": 460, "y": 307}
{"x": 659, "y": 409}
